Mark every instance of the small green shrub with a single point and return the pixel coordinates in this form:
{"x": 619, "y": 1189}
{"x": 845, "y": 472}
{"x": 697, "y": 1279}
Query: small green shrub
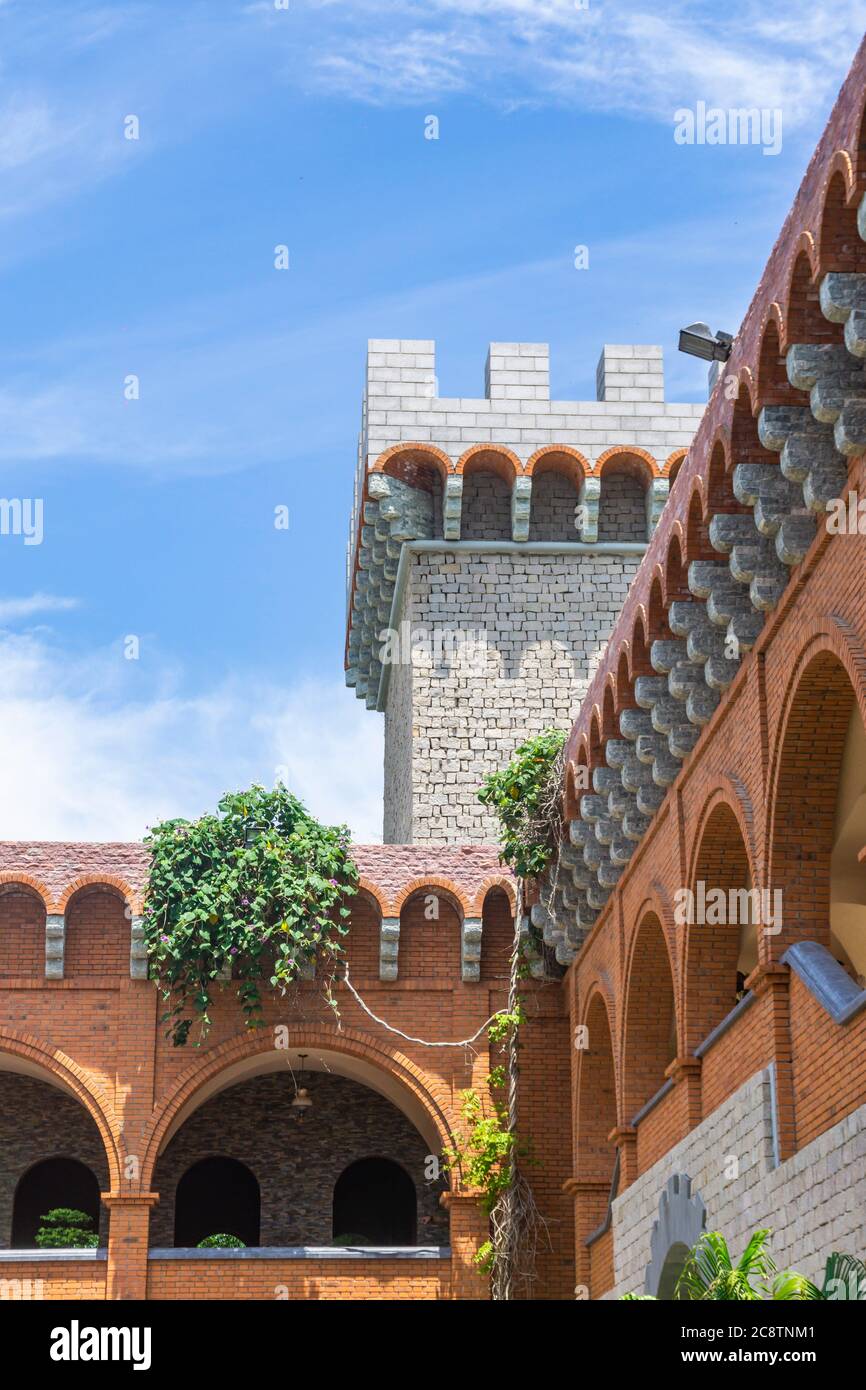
{"x": 221, "y": 1241}
{"x": 66, "y": 1228}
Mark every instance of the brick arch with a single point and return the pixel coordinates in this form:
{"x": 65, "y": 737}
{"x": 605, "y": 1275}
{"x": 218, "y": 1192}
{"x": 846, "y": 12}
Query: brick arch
{"x": 773, "y": 386}
{"x": 839, "y": 244}
{"x": 721, "y": 859}
{"x": 490, "y": 458}
{"x": 11, "y": 878}
{"x": 559, "y": 458}
{"x": 627, "y": 452}
{"x": 824, "y": 683}
{"x": 379, "y": 897}
{"x": 804, "y": 322}
{"x": 425, "y": 885}
{"x": 573, "y": 792}
{"x": 53, "y": 1066}
{"x": 596, "y": 1110}
{"x": 497, "y": 929}
{"x": 233, "y": 1060}
{"x": 649, "y": 1024}
{"x": 22, "y": 929}
{"x": 415, "y": 453}
{"x": 673, "y": 463}
{"x": 98, "y": 912}
{"x": 502, "y": 881}
{"x": 130, "y": 897}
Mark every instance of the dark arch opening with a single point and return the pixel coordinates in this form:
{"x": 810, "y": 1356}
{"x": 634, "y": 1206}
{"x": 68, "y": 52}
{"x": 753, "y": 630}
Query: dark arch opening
{"x": 675, "y": 1263}
{"x": 54, "y": 1182}
{"x": 375, "y": 1204}
{"x": 217, "y": 1196}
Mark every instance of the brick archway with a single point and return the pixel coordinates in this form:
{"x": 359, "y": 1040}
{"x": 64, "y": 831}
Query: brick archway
{"x": 649, "y": 1028}
{"x": 34, "y": 1059}
{"x": 421, "y": 1098}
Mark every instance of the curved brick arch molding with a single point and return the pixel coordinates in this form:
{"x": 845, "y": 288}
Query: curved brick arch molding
{"x": 57, "y": 1069}
{"x": 422, "y": 1095}
{"x": 681, "y": 1221}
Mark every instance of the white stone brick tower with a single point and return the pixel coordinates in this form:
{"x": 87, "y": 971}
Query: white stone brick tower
{"x": 491, "y": 547}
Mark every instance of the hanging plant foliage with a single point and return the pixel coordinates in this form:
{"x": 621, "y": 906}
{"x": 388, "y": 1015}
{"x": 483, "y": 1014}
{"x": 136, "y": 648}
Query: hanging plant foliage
{"x": 524, "y": 795}
{"x": 260, "y": 886}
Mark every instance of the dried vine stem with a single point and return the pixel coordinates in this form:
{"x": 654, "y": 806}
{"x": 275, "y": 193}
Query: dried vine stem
{"x": 516, "y": 1224}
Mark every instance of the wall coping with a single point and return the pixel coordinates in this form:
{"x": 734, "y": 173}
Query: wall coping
{"x": 72, "y": 1255}
{"x": 307, "y": 1252}
{"x": 826, "y": 979}
{"x": 721, "y": 1028}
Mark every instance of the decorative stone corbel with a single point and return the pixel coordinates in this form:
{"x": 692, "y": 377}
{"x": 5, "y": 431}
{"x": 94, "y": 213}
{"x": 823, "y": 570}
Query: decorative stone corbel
{"x": 587, "y": 499}
{"x": 452, "y": 507}
{"x": 656, "y": 496}
{"x": 521, "y": 502}
{"x": 55, "y": 945}
{"x": 470, "y": 950}
{"x": 389, "y": 947}
{"x": 137, "y": 950}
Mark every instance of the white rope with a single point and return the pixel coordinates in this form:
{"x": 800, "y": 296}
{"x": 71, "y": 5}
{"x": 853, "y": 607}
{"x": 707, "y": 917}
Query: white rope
{"x": 465, "y": 1042}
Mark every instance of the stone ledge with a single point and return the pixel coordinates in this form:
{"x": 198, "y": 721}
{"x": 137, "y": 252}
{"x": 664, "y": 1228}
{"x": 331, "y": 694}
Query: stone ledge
{"x": 307, "y": 1252}
{"x": 16, "y": 1256}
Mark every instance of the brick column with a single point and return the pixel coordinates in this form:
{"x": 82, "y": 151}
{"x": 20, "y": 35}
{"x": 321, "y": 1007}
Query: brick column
{"x": 772, "y": 981}
{"x": 624, "y": 1138}
{"x": 686, "y": 1072}
{"x": 469, "y": 1230}
{"x": 128, "y": 1243}
{"x": 590, "y": 1208}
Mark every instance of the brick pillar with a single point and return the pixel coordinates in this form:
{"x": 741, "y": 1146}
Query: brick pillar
{"x": 772, "y": 982}
{"x": 686, "y": 1072}
{"x": 128, "y": 1243}
{"x": 590, "y": 1208}
{"x": 469, "y": 1230}
{"x": 624, "y": 1138}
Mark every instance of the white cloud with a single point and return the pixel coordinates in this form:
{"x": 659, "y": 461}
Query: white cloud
{"x": 85, "y": 758}
{"x": 12, "y": 609}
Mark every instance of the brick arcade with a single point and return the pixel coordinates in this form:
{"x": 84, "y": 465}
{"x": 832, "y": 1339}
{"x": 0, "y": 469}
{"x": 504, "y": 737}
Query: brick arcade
{"x": 702, "y": 632}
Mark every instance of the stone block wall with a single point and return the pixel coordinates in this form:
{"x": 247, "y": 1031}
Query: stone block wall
{"x": 533, "y": 626}
{"x": 814, "y": 1201}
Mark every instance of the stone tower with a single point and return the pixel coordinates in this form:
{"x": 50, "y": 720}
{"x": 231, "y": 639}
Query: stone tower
{"x": 491, "y": 547}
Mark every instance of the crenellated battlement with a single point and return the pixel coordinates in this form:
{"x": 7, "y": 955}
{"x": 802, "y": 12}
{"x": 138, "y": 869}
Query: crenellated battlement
{"x": 502, "y": 531}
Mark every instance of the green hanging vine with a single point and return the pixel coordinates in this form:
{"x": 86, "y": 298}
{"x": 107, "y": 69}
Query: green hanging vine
{"x": 260, "y": 885}
{"x": 524, "y": 796}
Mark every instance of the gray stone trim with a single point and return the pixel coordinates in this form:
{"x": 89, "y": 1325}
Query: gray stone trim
{"x": 652, "y": 1103}
{"x": 608, "y": 1216}
{"x": 297, "y": 1252}
{"x": 681, "y": 1221}
{"x": 389, "y": 947}
{"x": 55, "y": 945}
{"x": 656, "y": 496}
{"x": 470, "y": 950}
{"x": 721, "y": 1028}
{"x": 521, "y": 501}
{"x": 59, "y": 1256}
{"x": 137, "y": 950}
{"x": 825, "y": 978}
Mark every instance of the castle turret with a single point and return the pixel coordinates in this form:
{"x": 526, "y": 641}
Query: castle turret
{"x": 492, "y": 544}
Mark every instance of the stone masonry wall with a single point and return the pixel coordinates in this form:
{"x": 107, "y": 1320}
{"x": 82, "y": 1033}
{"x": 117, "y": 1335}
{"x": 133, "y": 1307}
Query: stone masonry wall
{"x": 813, "y": 1202}
{"x": 37, "y": 1122}
{"x": 297, "y": 1165}
{"x": 533, "y": 626}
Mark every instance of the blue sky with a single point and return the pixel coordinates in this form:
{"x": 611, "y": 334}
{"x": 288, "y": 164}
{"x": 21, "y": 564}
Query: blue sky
{"x": 305, "y": 126}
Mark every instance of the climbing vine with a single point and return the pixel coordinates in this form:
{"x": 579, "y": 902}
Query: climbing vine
{"x": 524, "y": 797}
{"x": 260, "y": 885}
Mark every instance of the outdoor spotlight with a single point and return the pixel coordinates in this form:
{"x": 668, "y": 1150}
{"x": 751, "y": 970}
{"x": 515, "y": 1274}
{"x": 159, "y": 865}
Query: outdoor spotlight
{"x": 698, "y": 341}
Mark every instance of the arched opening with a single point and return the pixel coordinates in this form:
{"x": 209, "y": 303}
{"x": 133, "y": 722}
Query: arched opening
{"x": 674, "y": 1264}
{"x": 97, "y": 933}
{"x": 297, "y": 1153}
{"x": 847, "y": 870}
{"x": 554, "y": 499}
{"x": 374, "y": 1204}
{"x": 217, "y": 1196}
{"x": 53, "y": 1182}
{"x": 362, "y": 943}
{"x": 722, "y": 926}
{"x": 424, "y": 472}
{"x": 22, "y": 932}
{"x": 815, "y": 805}
{"x": 497, "y": 936}
{"x": 488, "y": 479}
{"x": 622, "y": 511}
{"x": 429, "y": 936}
{"x": 650, "y": 1043}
